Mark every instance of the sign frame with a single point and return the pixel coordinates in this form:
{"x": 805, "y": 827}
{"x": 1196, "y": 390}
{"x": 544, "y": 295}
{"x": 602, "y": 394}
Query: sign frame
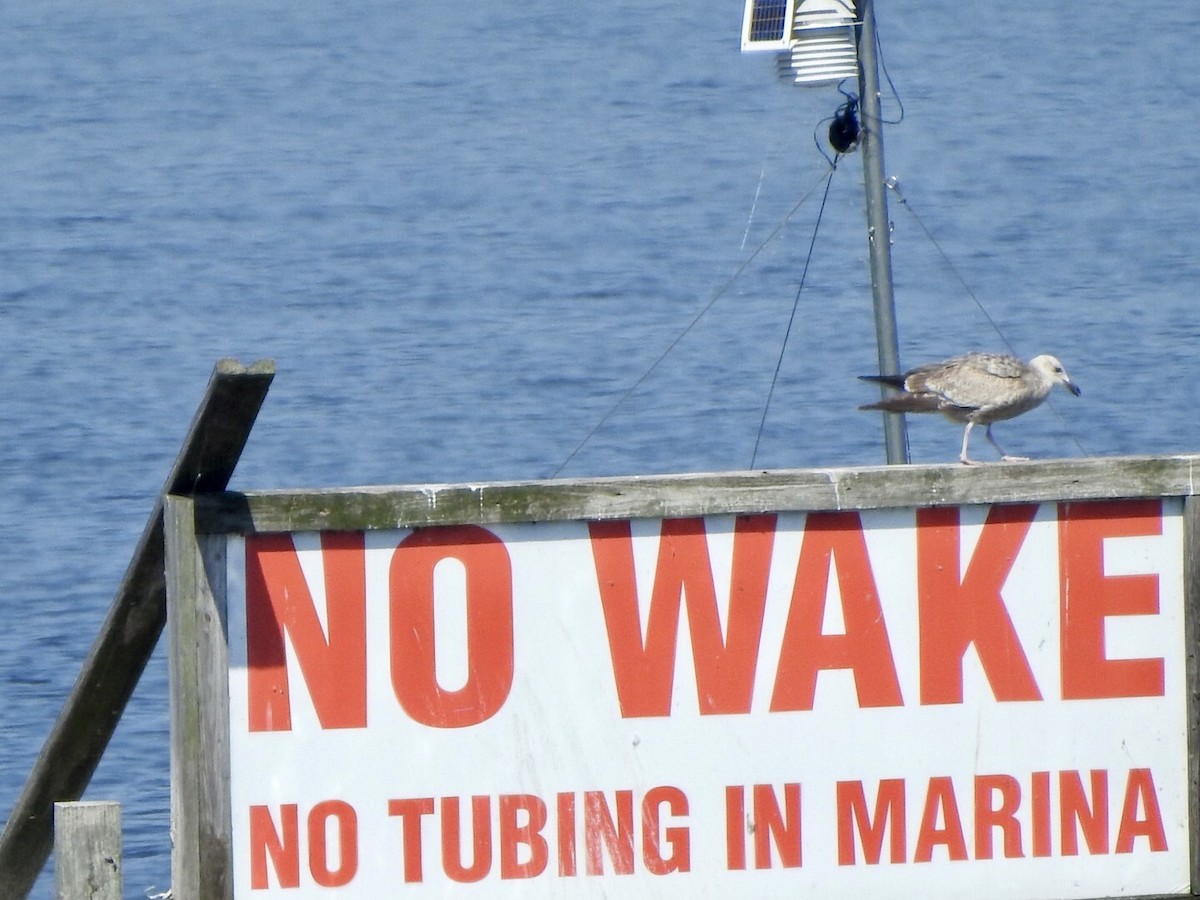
{"x": 197, "y": 529}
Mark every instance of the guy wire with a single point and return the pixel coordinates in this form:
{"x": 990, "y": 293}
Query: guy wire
{"x": 795, "y": 305}
{"x": 696, "y": 319}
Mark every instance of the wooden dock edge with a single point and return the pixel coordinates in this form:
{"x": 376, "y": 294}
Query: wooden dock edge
{"x": 675, "y": 496}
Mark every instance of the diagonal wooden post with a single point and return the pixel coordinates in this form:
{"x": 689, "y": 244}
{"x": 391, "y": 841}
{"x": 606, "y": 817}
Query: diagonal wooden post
{"x": 131, "y": 629}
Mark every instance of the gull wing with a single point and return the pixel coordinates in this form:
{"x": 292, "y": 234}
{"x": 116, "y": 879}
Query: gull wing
{"x": 972, "y": 381}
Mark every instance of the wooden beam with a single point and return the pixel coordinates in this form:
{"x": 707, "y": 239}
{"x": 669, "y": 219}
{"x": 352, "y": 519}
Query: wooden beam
{"x": 1191, "y": 598}
{"x": 87, "y": 851}
{"x": 673, "y": 496}
{"x": 198, "y": 658}
{"x": 131, "y": 629}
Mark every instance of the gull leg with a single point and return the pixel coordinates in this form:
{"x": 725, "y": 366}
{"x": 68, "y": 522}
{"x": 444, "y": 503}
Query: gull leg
{"x": 962, "y": 457}
{"x": 1004, "y": 456}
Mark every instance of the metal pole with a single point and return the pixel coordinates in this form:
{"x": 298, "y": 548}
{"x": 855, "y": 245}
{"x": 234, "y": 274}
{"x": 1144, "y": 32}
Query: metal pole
{"x": 895, "y": 433}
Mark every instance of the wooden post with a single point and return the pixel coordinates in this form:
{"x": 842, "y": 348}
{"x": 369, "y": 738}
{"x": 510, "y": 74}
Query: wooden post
{"x": 198, "y": 660}
{"x": 1191, "y": 594}
{"x": 130, "y": 631}
{"x": 87, "y": 851}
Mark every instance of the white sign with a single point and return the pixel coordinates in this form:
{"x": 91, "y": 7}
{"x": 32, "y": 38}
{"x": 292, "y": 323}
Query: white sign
{"x": 977, "y": 701}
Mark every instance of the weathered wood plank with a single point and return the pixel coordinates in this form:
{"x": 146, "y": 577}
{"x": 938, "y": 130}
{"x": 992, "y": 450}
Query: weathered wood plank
{"x": 693, "y": 495}
{"x": 131, "y": 629}
{"x": 1191, "y": 594}
{"x": 198, "y": 661}
{"x": 87, "y": 851}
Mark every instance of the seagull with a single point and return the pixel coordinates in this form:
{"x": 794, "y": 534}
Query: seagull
{"x": 975, "y": 388}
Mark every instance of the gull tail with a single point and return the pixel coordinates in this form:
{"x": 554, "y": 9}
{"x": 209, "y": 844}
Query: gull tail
{"x": 896, "y": 381}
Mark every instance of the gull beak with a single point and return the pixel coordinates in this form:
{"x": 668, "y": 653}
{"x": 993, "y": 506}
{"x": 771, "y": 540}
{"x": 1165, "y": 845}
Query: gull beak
{"x": 1072, "y": 387}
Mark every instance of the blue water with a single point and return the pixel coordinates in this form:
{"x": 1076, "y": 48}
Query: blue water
{"x": 464, "y": 231}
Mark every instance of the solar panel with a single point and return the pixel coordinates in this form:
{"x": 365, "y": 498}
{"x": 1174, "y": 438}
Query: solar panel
{"x": 766, "y": 24}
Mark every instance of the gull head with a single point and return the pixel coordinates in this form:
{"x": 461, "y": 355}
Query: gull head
{"x": 1052, "y": 370}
